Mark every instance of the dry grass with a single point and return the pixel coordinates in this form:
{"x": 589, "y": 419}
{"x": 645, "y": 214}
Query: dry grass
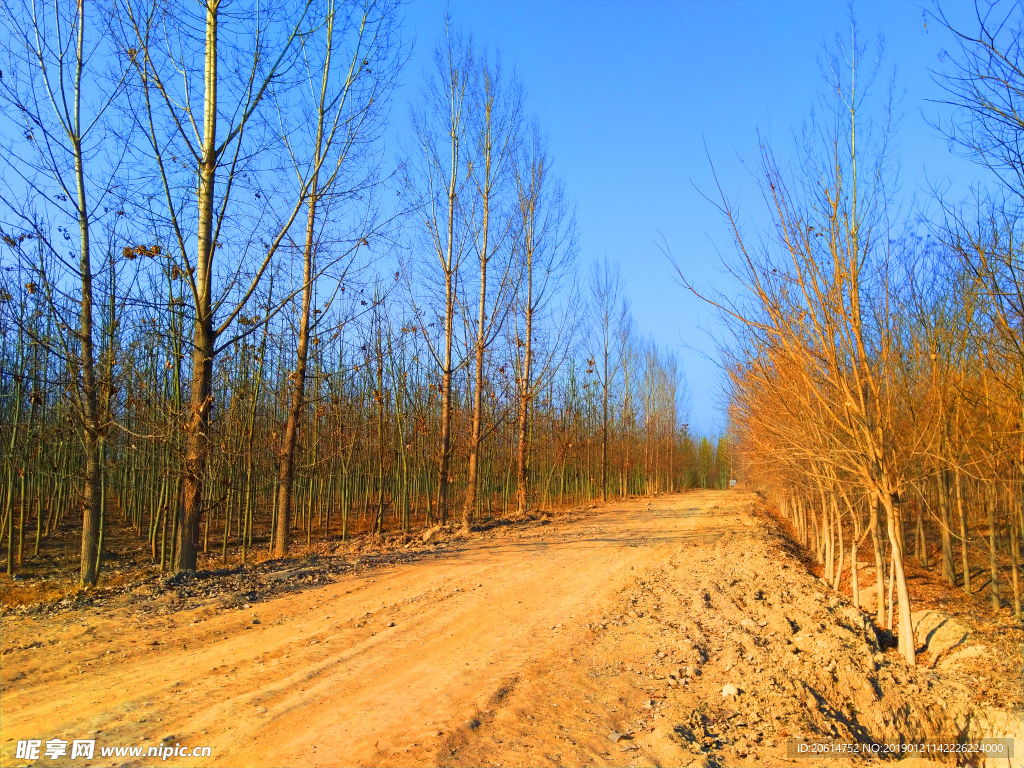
{"x": 14, "y": 594}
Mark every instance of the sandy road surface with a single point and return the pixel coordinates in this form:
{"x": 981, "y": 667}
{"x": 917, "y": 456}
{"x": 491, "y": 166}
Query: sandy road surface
{"x": 688, "y": 625}
{"x": 324, "y": 678}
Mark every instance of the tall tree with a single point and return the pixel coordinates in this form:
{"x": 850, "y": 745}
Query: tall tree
{"x": 434, "y": 182}
{"x": 495, "y": 125}
{"x": 820, "y": 309}
{"x": 59, "y": 88}
{"x": 547, "y": 250}
{"x": 348, "y": 76}
{"x": 985, "y": 88}
{"x": 609, "y": 317}
{"x": 201, "y": 86}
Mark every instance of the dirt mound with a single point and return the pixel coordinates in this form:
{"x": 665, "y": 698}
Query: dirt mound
{"x": 737, "y": 647}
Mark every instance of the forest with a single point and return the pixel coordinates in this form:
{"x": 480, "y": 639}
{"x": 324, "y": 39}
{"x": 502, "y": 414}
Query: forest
{"x": 232, "y": 325}
{"x": 876, "y": 360}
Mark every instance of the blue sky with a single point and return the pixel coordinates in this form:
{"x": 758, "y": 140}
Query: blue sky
{"x": 630, "y": 94}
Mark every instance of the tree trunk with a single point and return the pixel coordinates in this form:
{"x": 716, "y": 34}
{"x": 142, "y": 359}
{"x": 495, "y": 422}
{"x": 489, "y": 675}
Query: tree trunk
{"x": 962, "y": 515}
{"x": 605, "y": 376}
{"x": 91, "y": 486}
{"x": 478, "y": 404}
{"x": 378, "y": 520}
{"x": 286, "y": 474}
{"x": 948, "y": 560}
{"x": 842, "y": 549}
{"x": 444, "y": 462}
{"x": 197, "y": 425}
{"x": 990, "y": 509}
{"x": 1014, "y": 551}
{"x": 921, "y": 542}
{"x": 522, "y": 479}
{"x": 485, "y": 188}
{"x": 197, "y": 450}
{"x": 854, "y": 571}
{"x": 906, "y": 630}
{"x": 876, "y": 543}
{"x": 89, "y": 395}
{"x": 819, "y": 537}
{"x": 526, "y": 386}
{"x": 827, "y": 525}
{"x": 888, "y": 615}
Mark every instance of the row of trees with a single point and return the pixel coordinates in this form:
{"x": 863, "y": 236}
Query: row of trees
{"x": 367, "y": 445}
{"x": 218, "y": 330}
{"x": 878, "y": 373}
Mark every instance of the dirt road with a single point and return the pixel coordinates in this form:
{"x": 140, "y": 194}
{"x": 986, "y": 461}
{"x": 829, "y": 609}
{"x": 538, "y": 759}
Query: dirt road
{"x": 527, "y": 648}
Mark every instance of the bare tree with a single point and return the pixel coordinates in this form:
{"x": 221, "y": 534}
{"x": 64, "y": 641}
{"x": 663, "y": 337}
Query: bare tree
{"x": 547, "y": 249}
{"x": 495, "y": 124}
{"x": 346, "y": 111}
{"x": 609, "y": 319}
{"x": 985, "y": 88}
{"x": 434, "y": 182}
{"x": 820, "y": 310}
{"x": 203, "y": 151}
{"x": 59, "y": 89}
